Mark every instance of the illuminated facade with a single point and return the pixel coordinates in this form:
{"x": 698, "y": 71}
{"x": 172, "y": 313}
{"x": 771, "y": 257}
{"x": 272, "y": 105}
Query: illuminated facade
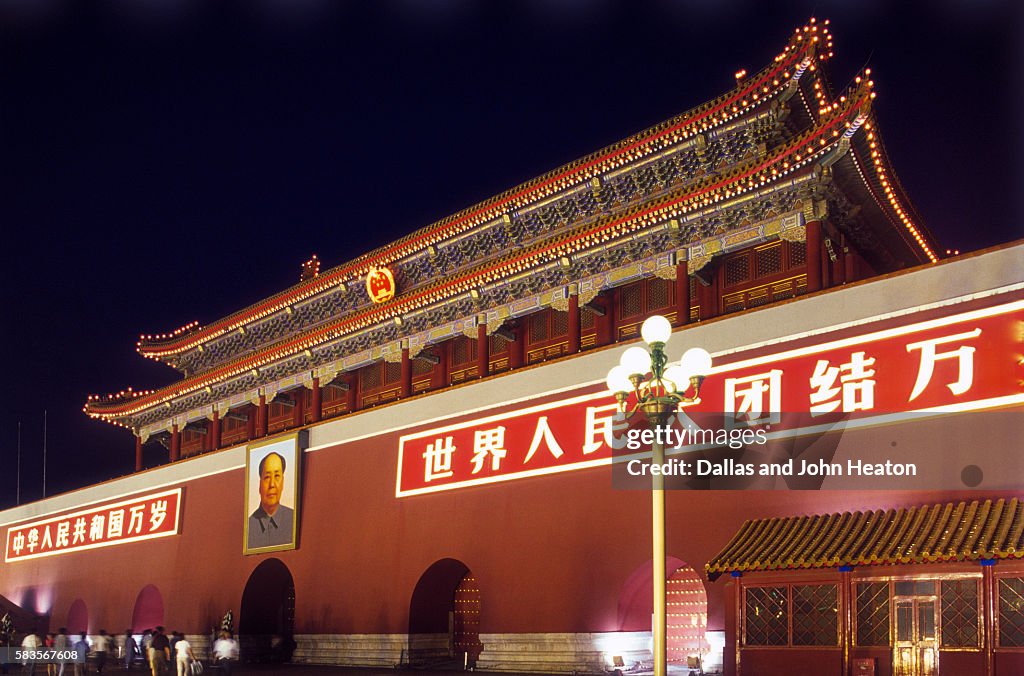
{"x": 444, "y": 400}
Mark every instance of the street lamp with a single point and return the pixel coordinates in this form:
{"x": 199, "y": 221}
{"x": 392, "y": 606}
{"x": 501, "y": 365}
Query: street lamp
{"x": 657, "y": 397}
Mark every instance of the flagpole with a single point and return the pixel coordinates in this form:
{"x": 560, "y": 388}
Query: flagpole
{"x": 17, "y": 499}
{"x": 44, "y": 452}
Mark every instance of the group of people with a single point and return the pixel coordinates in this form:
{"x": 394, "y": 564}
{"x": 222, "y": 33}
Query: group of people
{"x": 159, "y": 649}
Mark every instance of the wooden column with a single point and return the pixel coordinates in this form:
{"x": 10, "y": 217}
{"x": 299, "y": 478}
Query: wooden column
{"x": 814, "y": 261}
{"x": 299, "y": 410}
{"x": 250, "y": 421}
{"x": 574, "y": 320}
{"x": 603, "y": 322}
{"x": 138, "y": 453}
{"x": 989, "y": 604}
{"x": 516, "y": 347}
{"x": 317, "y": 401}
{"x": 839, "y": 265}
{"x": 215, "y": 431}
{"x": 849, "y": 262}
{"x": 352, "y": 393}
{"x": 175, "y": 451}
{"x": 483, "y": 353}
{"x": 406, "y": 385}
{"x": 708, "y": 300}
{"x": 846, "y": 616}
{"x": 682, "y": 293}
{"x": 261, "y": 417}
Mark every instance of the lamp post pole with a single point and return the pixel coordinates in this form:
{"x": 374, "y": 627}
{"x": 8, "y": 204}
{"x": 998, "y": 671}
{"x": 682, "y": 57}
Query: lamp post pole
{"x": 658, "y": 398}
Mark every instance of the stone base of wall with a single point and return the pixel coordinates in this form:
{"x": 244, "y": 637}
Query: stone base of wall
{"x": 371, "y": 650}
{"x": 563, "y": 653}
{"x": 537, "y": 653}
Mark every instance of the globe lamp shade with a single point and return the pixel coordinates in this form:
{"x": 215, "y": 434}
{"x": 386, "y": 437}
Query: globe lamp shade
{"x": 679, "y": 377}
{"x": 636, "y": 360}
{"x": 618, "y": 379}
{"x": 696, "y": 361}
{"x": 656, "y": 329}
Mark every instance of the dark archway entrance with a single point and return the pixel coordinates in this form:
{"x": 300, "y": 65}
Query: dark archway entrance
{"x": 444, "y": 617}
{"x": 149, "y": 610}
{"x": 266, "y": 626}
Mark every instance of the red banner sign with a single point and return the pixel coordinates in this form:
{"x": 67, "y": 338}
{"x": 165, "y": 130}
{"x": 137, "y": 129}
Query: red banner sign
{"x": 968, "y": 361}
{"x": 139, "y": 518}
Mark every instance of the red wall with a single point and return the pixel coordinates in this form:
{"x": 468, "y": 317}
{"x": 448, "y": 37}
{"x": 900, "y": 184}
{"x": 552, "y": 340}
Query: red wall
{"x": 551, "y": 554}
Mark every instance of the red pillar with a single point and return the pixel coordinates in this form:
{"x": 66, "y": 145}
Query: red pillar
{"x": 250, "y": 421}
{"x": 317, "y": 403}
{"x": 352, "y": 393}
{"x": 515, "y": 349}
{"x": 988, "y": 612}
{"x": 839, "y": 265}
{"x": 175, "y": 443}
{"x": 483, "y": 353}
{"x": 574, "y": 322}
{"x": 814, "y": 258}
{"x": 299, "y": 410}
{"x": 849, "y": 262}
{"x": 215, "y": 431}
{"x": 682, "y": 293}
{"x": 261, "y": 417}
{"x": 406, "y": 373}
{"x": 138, "y": 453}
{"x": 708, "y": 300}
{"x": 846, "y": 616}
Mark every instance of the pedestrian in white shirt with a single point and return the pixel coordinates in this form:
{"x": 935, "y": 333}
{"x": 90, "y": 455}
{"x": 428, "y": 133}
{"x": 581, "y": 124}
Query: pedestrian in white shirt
{"x": 184, "y": 655}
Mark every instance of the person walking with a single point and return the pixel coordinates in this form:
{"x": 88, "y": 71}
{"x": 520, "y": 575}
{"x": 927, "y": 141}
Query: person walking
{"x": 81, "y": 646}
{"x": 101, "y": 646}
{"x": 131, "y": 648}
{"x": 184, "y": 655}
{"x": 225, "y": 652}
{"x": 160, "y": 652}
{"x": 60, "y": 642}
{"x": 30, "y": 642}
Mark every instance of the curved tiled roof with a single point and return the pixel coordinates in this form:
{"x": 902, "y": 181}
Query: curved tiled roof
{"x": 801, "y": 50}
{"x": 955, "y": 531}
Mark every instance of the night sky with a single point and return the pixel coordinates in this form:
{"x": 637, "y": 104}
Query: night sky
{"x": 165, "y": 161}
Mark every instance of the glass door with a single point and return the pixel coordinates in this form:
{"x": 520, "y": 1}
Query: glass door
{"x": 916, "y": 646}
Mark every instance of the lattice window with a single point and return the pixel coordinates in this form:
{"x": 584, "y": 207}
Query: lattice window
{"x": 392, "y": 372}
{"x": 463, "y": 350}
{"x": 371, "y": 377}
{"x": 631, "y": 300}
{"x": 765, "y": 616}
{"x": 797, "y": 254}
{"x": 737, "y": 269}
{"x": 421, "y": 367}
{"x": 1011, "y": 612}
{"x": 873, "y": 614}
{"x": 538, "y": 327}
{"x": 587, "y": 320}
{"x": 559, "y": 324}
{"x": 960, "y": 614}
{"x": 659, "y": 294}
{"x": 497, "y": 344}
{"x": 769, "y": 260}
{"x": 815, "y": 615}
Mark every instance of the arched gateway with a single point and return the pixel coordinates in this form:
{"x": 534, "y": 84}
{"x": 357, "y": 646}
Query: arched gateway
{"x": 687, "y": 609}
{"x": 267, "y": 623}
{"x": 149, "y": 609}
{"x": 444, "y": 616}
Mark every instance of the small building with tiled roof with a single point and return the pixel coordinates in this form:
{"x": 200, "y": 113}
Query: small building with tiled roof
{"x": 927, "y": 589}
